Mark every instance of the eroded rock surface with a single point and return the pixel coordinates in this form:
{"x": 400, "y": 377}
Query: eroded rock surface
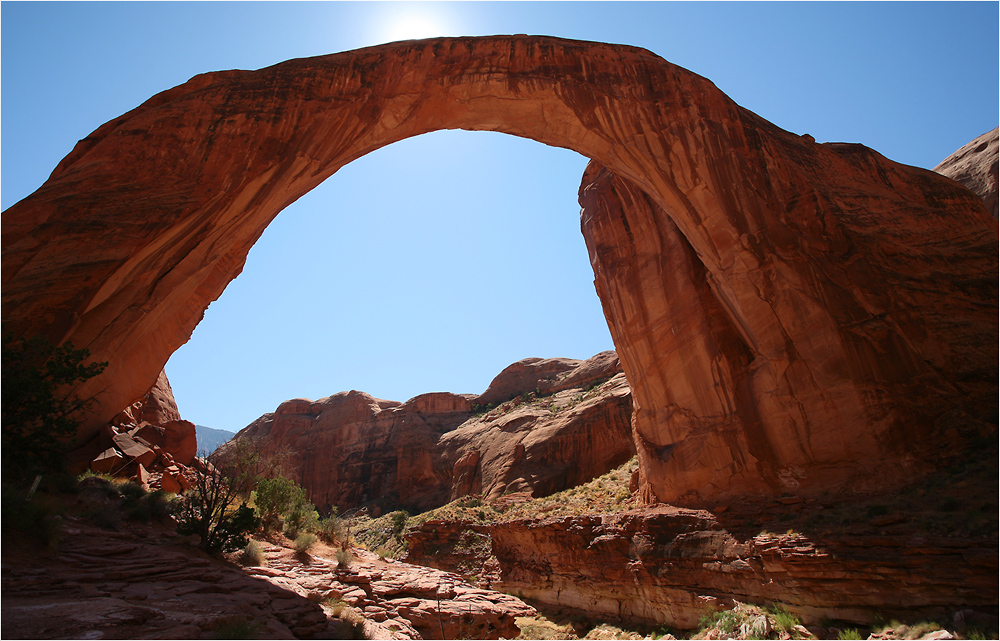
{"x": 397, "y": 600}
{"x": 833, "y": 350}
{"x": 977, "y": 166}
{"x": 350, "y": 448}
{"x": 669, "y": 565}
{"x": 103, "y": 584}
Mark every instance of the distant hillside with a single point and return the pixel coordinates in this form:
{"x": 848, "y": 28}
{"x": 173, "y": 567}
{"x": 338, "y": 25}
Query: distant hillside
{"x": 210, "y": 438}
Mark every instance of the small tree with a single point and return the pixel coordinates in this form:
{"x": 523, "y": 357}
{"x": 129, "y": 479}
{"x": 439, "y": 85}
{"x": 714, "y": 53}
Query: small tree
{"x": 208, "y": 511}
{"x": 274, "y": 499}
{"x": 226, "y": 479}
{"x": 40, "y": 410}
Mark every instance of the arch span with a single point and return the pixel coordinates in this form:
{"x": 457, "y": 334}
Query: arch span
{"x": 787, "y": 312}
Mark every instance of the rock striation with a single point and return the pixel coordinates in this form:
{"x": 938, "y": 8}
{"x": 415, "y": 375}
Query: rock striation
{"x": 397, "y": 600}
{"x": 845, "y": 330}
{"x": 793, "y": 368}
{"x": 350, "y": 449}
{"x": 669, "y": 565}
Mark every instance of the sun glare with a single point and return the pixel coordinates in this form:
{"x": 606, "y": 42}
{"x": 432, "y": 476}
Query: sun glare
{"x": 414, "y": 27}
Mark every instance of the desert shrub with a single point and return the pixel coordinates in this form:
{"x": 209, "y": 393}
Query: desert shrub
{"x": 783, "y": 619}
{"x": 332, "y": 529}
{"x": 344, "y": 558}
{"x": 304, "y": 541}
{"x": 274, "y": 498}
{"x": 302, "y": 518}
{"x": 39, "y": 410}
{"x": 209, "y": 511}
{"x": 252, "y": 554}
{"x": 849, "y": 634}
{"x": 399, "y": 523}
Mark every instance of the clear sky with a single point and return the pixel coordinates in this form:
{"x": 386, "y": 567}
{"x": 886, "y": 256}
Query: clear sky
{"x": 432, "y": 264}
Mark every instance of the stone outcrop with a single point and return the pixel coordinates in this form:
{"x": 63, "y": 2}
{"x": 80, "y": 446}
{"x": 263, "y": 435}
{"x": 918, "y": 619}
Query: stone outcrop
{"x": 138, "y": 583}
{"x": 398, "y": 600}
{"x": 350, "y": 449}
{"x": 142, "y": 585}
{"x": 669, "y": 565}
{"x": 977, "y": 166}
{"x": 845, "y": 327}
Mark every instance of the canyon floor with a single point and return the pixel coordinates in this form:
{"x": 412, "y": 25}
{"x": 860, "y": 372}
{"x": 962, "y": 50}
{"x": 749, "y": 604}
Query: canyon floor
{"x": 91, "y": 575}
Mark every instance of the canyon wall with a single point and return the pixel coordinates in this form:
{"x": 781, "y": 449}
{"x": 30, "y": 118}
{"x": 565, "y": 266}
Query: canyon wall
{"x": 544, "y": 425}
{"x": 671, "y": 565}
{"x": 844, "y": 327}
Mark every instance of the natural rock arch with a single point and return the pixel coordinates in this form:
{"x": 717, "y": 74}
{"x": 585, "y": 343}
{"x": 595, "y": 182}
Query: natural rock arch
{"x": 790, "y": 315}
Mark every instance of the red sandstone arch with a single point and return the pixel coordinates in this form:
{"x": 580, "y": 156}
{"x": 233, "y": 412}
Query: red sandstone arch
{"x": 789, "y": 314}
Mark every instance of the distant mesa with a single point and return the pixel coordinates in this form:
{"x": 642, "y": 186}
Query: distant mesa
{"x": 544, "y": 425}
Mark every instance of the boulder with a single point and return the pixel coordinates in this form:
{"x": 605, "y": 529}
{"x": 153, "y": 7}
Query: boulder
{"x": 178, "y": 438}
{"x": 107, "y": 462}
{"x": 134, "y": 450}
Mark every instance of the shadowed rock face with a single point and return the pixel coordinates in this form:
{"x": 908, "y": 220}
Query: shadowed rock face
{"x": 845, "y": 304}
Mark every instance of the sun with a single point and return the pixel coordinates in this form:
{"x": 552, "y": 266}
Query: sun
{"x": 414, "y": 27}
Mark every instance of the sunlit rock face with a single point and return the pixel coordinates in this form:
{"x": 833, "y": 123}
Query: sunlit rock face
{"x": 350, "y": 449}
{"x": 846, "y": 305}
{"x": 977, "y": 166}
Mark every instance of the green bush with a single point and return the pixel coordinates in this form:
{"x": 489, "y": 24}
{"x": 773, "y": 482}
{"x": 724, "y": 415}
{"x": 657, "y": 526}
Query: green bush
{"x": 39, "y": 411}
{"x": 302, "y": 518}
{"x": 849, "y": 634}
{"x": 275, "y": 498}
{"x": 783, "y": 619}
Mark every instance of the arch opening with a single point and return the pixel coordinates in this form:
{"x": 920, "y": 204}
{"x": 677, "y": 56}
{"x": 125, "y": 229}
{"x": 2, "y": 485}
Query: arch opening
{"x": 810, "y": 247}
{"x": 427, "y": 265}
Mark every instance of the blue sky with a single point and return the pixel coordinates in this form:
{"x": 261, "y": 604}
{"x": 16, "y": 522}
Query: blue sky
{"x": 434, "y": 263}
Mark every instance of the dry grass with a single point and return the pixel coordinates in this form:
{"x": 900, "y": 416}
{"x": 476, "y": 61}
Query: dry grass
{"x": 606, "y": 493}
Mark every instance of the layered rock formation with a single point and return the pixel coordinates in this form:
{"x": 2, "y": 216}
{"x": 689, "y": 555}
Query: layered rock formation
{"x": 783, "y": 363}
{"x": 977, "y": 166}
{"x": 139, "y": 584}
{"x": 349, "y": 448}
{"x": 399, "y": 600}
{"x": 845, "y": 319}
{"x": 670, "y": 565}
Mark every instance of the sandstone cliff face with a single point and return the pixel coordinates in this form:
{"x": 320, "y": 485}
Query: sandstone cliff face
{"x": 977, "y": 166}
{"x": 669, "y": 565}
{"x": 799, "y": 370}
{"x": 351, "y": 449}
{"x": 850, "y": 301}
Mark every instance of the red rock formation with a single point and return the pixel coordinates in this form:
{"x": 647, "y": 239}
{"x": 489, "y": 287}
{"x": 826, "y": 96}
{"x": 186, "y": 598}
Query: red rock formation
{"x": 351, "y": 448}
{"x": 669, "y": 565}
{"x": 851, "y": 300}
{"x": 793, "y": 367}
{"x": 977, "y": 166}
